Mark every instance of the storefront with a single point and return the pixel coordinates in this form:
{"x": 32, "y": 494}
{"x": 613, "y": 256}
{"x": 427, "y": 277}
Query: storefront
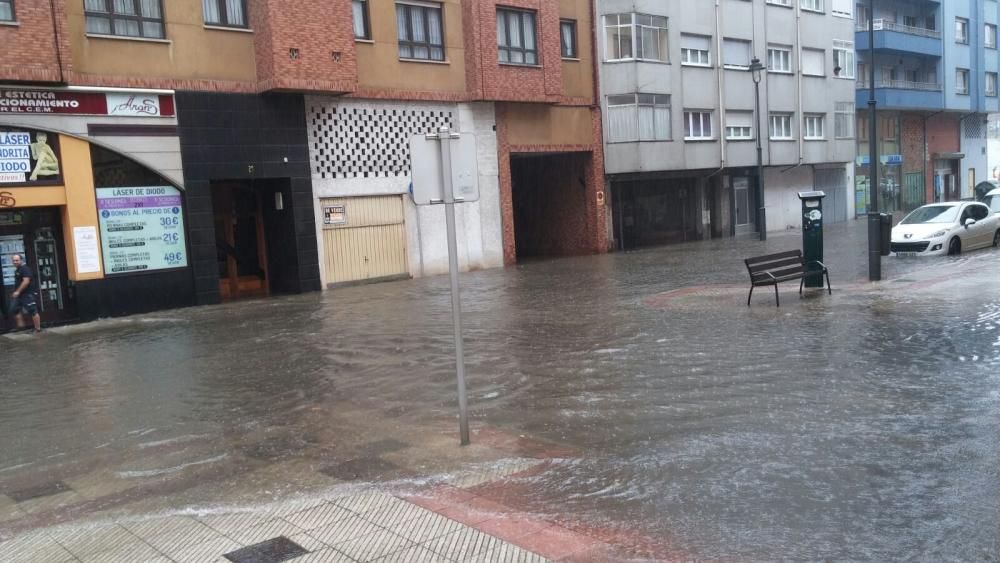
{"x": 104, "y": 234}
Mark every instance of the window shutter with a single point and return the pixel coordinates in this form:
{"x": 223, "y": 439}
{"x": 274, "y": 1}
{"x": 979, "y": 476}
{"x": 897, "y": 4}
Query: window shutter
{"x": 843, "y": 8}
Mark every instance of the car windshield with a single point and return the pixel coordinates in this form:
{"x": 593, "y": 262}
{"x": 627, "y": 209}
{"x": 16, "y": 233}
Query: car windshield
{"x": 932, "y": 214}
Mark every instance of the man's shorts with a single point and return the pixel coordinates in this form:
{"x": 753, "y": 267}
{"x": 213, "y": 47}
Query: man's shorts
{"x": 25, "y": 304}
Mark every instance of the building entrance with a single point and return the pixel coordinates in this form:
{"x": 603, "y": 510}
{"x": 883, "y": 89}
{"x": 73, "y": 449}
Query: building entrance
{"x": 549, "y": 196}
{"x": 36, "y": 234}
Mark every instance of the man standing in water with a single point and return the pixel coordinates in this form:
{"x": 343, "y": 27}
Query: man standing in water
{"x": 25, "y": 294}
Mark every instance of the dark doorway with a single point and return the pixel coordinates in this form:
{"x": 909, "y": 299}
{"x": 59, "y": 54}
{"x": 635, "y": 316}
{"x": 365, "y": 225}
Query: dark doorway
{"x": 254, "y": 238}
{"x": 36, "y": 234}
{"x": 549, "y": 196}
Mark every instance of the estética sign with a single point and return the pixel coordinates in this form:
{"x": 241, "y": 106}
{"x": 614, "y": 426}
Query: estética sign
{"x": 125, "y": 104}
{"x": 142, "y": 229}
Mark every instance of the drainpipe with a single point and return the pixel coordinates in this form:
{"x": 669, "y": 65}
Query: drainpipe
{"x": 927, "y": 153}
{"x": 798, "y": 83}
{"x": 720, "y": 75}
{"x": 55, "y": 32}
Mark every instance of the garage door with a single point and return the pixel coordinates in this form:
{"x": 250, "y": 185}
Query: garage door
{"x": 833, "y": 181}
{"x": 364, "y": 239}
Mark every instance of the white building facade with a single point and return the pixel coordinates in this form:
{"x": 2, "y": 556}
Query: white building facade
{"x": 368, "y": 228}
{"x": 680, "y": 123}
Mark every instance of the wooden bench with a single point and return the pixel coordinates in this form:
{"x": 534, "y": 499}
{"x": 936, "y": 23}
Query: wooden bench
{"x": 773, "y": 269}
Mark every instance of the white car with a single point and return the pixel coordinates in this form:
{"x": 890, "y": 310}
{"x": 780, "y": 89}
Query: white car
{"x": 992, "y": 200}
{"x": 946, "y": 228}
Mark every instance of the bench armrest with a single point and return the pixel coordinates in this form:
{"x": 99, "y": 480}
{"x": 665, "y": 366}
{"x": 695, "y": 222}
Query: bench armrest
{"x": 822, "y": 265}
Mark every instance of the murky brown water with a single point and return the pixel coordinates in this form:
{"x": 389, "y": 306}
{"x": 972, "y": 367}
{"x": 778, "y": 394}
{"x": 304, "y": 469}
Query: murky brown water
{"x": 858, "y": 426}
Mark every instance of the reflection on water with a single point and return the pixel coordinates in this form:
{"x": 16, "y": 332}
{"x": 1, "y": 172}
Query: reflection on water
{"x": 861, "y": 426}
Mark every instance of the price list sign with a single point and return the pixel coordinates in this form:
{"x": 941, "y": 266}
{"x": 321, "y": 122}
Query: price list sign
{"x": 142, "y": 229}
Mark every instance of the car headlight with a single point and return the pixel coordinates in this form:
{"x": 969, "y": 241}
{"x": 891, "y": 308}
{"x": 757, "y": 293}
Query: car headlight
{"x": 939, "y": 233}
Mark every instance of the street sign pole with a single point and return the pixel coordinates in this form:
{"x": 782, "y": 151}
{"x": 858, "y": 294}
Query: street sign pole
{"x": 444, "y": 138}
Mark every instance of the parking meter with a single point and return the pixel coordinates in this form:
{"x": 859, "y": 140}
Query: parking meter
{"x": 812, "y": 234}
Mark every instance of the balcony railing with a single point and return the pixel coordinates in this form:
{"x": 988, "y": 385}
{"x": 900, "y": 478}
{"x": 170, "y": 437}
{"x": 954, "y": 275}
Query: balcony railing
{"x": 889, "y": 25}
{"x": 901, "y": 85}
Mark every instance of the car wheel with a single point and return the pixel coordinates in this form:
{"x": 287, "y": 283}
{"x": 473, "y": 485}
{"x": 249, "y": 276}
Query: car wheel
{"x": 996, "y": 238}
{"x": 954, "y": 247}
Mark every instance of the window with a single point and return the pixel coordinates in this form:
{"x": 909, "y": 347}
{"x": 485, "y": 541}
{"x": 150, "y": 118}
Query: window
{"x": 781, "y": 126}
{"x": 991, "y": 84}
{"x": 420, "y": 31}
{"x": 779, "y": 59}
{"x": 780, "y": 2}
{"x": 695, "y": 50}
{"x": 362, "y": 27}
{"x": 567, "y": 39}
{"x": 990, "y": 38}
{"x": 813, "y": 127}
{"x": 736, "y": 53}
{"x": 635, "y": 37}
{"x": 697, "y": 125}
{"x": 638, "y": 117}
{"x": 961, "y": 81}
{"x": 814, "y": 62}
{"x": 125, "y": 18}
{"x": 516, "y": 37}
{"x": 6, "y": 10}
{"x": 842, "y": 8}
{"x": 843, "y": 59}
{"x": 739, "y": 125}
{"x": 814, "y": 5}
{"x": 843, "y": 124}
{"x": 962, "y": 31}
{"x": 230, "y": 13}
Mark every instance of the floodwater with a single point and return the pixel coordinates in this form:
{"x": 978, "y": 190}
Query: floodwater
{"x": 862, "y": 425}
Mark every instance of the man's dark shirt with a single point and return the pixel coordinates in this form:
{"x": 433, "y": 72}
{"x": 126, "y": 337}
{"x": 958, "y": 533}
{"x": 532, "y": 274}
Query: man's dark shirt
{"x": 25, "y": 272}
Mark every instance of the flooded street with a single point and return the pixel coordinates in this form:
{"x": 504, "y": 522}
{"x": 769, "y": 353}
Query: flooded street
{"x": 862, "y": 425}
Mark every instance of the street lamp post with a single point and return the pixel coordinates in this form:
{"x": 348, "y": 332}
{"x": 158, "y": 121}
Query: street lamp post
{"x": 756, "y": 72}
{"x": 874, "y": 218}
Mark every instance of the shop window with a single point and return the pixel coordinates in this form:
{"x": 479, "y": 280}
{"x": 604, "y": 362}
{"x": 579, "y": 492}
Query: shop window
{"x": 6, "y": 10}
{"x": 140, "y": 216}
{"x": 228, "y": 13}
{"x": 125, "y": 18}
{"x": 112, "y": 170}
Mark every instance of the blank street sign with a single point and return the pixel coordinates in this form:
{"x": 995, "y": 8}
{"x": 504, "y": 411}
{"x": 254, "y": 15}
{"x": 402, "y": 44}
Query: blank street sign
{"x": 425, "y": 164}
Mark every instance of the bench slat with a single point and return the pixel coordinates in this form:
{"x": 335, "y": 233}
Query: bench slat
{"x": 773, "y": 257}
{"x": 775, "y": 265}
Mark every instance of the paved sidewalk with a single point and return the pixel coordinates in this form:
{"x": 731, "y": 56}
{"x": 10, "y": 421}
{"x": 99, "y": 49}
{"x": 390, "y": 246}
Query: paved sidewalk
{"x": 370, "y": 526}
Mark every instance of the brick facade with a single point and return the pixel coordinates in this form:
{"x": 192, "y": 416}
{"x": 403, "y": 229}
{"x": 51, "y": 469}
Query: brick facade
{"x": 31, "y": 52}
{"x": 324, "y": 59}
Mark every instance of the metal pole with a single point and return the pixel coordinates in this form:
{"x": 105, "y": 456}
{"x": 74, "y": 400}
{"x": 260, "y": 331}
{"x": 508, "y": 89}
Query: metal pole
{"x": 761, "y": 211}
{"x": 874, "y": 218}
{"x": 445, "y": 136}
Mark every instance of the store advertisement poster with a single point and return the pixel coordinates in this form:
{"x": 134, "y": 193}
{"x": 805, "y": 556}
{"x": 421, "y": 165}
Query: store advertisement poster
{"x": 27, "y": 157}
{"x": 142, "y": 229}
{"x": 88, "y": 258}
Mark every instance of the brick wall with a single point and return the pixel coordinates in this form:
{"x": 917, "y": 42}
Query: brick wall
{"x": 321, "y": 33}
{"x": 490, "y": 80}
{"x": 912, "y": 133}
{"x": 30, "y": 50}
{"x": 943, "y": 136}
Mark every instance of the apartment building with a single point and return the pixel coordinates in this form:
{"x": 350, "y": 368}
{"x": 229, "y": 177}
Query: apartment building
{"x": 680, "y": 121}
{"x": 935, "y": 67}
{"x": 157, "y": 154}
{"x": 520, "y": 77}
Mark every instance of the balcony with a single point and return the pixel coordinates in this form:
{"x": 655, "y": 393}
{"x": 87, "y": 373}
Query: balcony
{"x": 901, "y": 94}
{"x": 896, "y": 38}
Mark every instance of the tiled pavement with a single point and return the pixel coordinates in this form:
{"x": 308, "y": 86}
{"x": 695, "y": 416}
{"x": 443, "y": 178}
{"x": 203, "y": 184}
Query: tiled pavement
{"x": 370, "y": 526}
